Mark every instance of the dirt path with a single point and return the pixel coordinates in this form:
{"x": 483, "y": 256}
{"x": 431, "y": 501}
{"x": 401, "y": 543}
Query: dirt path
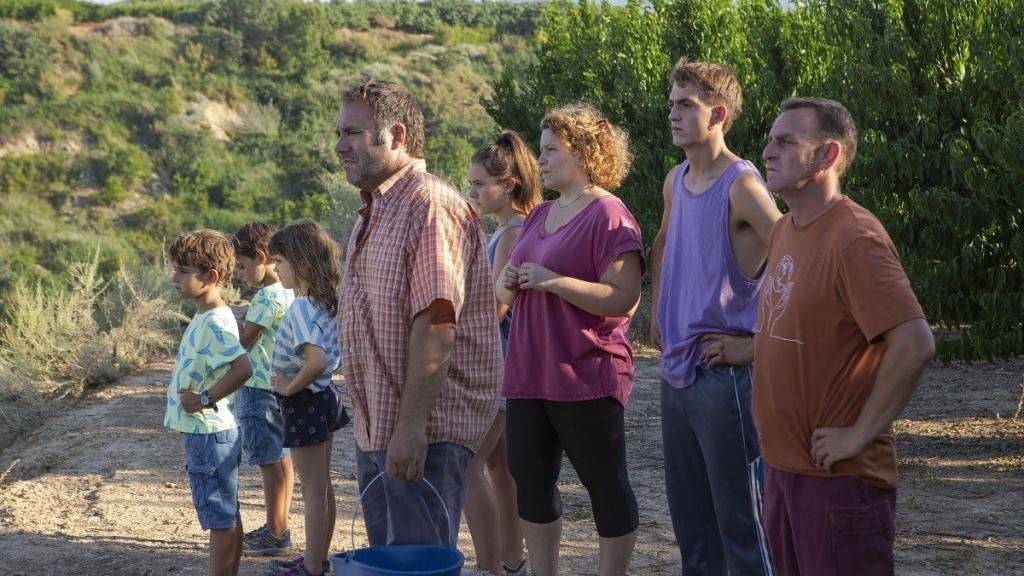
{"x": 100, "y": 490}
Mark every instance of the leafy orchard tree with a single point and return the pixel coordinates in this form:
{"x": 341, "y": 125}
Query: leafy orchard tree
{"x": 934, "y": 88}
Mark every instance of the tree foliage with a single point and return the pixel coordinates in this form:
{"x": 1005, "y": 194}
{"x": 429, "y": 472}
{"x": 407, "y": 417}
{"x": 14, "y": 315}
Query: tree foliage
{"x": 934, "y": 88}
{"x": 277, "y": 35}
{"x": 432, "y": 16}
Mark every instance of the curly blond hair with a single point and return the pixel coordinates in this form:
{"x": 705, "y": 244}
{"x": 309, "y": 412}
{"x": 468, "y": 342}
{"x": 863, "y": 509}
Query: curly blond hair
{"x": 602, "y": 148}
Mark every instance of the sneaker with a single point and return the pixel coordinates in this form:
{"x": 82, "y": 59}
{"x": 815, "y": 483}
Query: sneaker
{"x": 260, "y": 542}
{"x": 520, "y": 569}
{"x": 297, "y": 568}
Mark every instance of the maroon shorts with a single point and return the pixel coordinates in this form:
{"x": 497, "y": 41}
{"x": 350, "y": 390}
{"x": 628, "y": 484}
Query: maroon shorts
{"x": 828, "y": 526}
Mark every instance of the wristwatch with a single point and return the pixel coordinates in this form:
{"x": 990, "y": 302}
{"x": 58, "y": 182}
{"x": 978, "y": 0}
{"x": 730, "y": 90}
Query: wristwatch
{"x": 204, "y": 399}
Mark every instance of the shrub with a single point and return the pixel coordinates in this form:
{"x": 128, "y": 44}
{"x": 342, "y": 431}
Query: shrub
{"x": 52, "y": 344}
{"x": 458, "y": 35}
{"x": 345, "y": 203}
{"x": 277, "y": 35}
{"x": 34, "y": 174}
{"x": 161, "y": 219}
{"x": 120, "y": 168}
{"x": 24, "y": 59}
{"x": 448, "y": 156}
{"x": 50, "y": 340}
{"x": 114, "y": 191}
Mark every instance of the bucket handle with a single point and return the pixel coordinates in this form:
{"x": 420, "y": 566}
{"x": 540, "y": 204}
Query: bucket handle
{"x": 447, "y": 515}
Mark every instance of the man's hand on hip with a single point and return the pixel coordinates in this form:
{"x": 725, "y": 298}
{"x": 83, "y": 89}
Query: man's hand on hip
{"x": 832, "y": 445}
{"x": 727, "y": 349}
{"x": 407, "y": 453}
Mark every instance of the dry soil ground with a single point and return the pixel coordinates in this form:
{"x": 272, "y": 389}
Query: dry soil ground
{"x": 100, "y": 489}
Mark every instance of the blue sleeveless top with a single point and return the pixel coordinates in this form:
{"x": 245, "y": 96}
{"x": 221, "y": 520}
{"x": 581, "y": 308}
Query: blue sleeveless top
{"x": 702, "y": 289}
{"x": 492, "y": 247}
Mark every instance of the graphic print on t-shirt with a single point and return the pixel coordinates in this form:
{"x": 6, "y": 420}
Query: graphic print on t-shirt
{"x": 775, "y": 295}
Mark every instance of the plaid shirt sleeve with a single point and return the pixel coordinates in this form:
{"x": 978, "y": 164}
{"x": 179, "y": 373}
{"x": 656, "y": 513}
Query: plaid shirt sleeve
{"x": 438, "y": 263}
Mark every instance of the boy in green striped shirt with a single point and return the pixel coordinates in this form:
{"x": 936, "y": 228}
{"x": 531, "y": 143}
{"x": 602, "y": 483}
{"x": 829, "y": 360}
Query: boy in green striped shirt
{"x": 258, "y": 410}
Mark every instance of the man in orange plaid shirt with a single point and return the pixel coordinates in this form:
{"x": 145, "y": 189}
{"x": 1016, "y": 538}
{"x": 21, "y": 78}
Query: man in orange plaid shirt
{"x": 420, "y": 347}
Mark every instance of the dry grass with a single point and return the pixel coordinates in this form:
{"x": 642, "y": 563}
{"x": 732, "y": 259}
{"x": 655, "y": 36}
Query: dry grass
{"x": 56, "y": 341}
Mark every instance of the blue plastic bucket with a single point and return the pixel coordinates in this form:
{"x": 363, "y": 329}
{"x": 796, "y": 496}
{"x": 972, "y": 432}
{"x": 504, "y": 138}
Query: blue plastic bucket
{"x": 410, "y": 560}
{"x": 399, "y": 561}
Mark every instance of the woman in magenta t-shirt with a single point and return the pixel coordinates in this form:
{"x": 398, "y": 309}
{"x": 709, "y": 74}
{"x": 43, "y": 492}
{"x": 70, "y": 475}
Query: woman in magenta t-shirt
{"x": 573, "y": 281}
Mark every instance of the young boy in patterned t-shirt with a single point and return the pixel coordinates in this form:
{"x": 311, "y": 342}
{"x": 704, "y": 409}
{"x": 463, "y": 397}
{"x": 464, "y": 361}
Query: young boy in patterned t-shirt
{"x": 257, "y": 407}
{"x": 210, "y": 366}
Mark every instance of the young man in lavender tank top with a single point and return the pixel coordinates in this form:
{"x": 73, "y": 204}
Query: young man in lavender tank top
{"x": 706, "y": 263}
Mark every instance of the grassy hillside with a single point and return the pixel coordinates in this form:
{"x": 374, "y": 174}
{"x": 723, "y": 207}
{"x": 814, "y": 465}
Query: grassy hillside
{"x": 121, "y": 132}
{"x": 122, "y": 125}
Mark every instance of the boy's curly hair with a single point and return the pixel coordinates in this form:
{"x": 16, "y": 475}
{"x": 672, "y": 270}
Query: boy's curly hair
{"x": 251, "y": 237}
{"x": 603, "y": 148}
{"x": 204, "y": 250}
{"x": 314, "y": 257}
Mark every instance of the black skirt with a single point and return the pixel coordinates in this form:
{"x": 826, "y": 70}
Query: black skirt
{"x": 311, "y": 417}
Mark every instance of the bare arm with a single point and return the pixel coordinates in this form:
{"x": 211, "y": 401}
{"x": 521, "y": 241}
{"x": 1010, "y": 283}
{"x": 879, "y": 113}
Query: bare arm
{"x": 249, "y": 334}
{"x": 658, "y": 253}
{"x": 617, "y": 293}
{"x": 751, "y": 203}
{"x": 314, "y": 365}
{"x": 431, "y": 340}
{"x": 501, "y": 253}
{"x": 506, "y": 286}
{"x": 909, "y": 348}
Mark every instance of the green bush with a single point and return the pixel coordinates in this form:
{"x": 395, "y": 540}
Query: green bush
{"x": 34, "y": 174}
{"x": 114, "y": 191}
{"x": 345, "y": 202}
{"x": 183, "y": 11}
{"x": 458, "y": 35}
{"x": 223, "y": 48}
{"x": 160, "y": 219}
{"x": 24, "y": 59}
{"x": 120, "y": 167}
{"x": 448, "y": 156}
{"x": 430, "y": 16}
{"x": 277, "y": 35}
{"x": 20, "y": 262}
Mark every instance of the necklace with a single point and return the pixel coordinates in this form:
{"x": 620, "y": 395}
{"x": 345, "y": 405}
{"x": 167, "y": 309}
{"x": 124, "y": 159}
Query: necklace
{"x": 559, "y": 201}
{"x": 515, "y": 213}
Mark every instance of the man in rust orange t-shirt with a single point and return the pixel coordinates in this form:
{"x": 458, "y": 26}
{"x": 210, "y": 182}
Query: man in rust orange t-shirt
{"x": 840, "y": 345}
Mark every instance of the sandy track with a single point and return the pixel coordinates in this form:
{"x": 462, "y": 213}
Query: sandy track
{"x": 101, "y": 489}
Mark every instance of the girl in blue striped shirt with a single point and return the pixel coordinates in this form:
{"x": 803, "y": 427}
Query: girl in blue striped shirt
{"x": 305, "y": 356}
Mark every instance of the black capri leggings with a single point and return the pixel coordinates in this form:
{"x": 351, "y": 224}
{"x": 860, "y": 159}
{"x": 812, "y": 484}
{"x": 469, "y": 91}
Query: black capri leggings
{"x": 592, "y": 434}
